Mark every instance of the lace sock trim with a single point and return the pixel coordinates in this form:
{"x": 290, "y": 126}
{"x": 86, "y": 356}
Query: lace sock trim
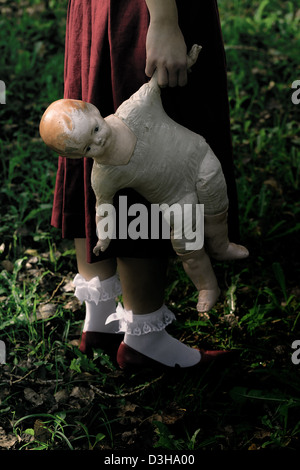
{"x": 96, "y": 290}
{"x": 141, "y": 324}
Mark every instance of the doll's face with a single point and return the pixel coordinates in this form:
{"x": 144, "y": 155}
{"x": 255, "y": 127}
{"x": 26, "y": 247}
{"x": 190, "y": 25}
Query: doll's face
{"x": 90, "y": 135}
{"x": 75, "y": 129}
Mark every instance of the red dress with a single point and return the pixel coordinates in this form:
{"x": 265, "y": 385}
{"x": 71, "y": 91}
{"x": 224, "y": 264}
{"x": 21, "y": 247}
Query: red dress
{"x": 104, "y": 65}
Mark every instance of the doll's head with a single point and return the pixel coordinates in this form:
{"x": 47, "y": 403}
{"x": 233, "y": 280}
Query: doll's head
{"x": 75, "y": 129}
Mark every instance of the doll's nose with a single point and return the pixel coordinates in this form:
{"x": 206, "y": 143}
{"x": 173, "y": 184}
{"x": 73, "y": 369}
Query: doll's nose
{"x": 97, "y": 139}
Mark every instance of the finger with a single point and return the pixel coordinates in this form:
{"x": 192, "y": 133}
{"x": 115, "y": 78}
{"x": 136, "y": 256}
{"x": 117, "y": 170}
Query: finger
{"x": 162, "y": 77}
{"x": 150, "y": 68}
{"x": 177, "y": 77}
{"x": 182, "y": 77}
{"x": 173, "y": 77}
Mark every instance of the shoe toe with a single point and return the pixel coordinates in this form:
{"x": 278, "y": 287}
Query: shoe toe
{"x": 209, "y": 356}
{"x": 108, "y": 342}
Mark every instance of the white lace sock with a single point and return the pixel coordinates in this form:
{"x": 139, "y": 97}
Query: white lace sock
{"x": 99, "y": 297}
{"x": 146, "y": 334}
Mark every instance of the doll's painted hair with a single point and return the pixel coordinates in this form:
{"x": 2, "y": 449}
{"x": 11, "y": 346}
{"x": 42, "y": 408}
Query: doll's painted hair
{"x": 57, "y": 124}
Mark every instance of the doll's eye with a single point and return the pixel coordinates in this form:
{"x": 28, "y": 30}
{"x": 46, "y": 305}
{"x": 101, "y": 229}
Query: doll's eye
{"x": 96, "y": 129}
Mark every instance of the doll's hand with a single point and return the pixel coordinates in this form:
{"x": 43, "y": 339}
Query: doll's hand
{"x": 166, "y": 52}
{"x": 101, "y": 222}
{"x": 101, "y": 246}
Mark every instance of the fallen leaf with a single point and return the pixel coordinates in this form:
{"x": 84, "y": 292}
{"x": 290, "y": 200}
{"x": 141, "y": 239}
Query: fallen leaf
{"x": 82, "y": 393}
{"x": 31, "y": 261}
{"x": 7, "y": 265}
{"x": 252, "y": 447}
{"x": 68, "y": 287}
{"x": 172, "y": 414}
{"x": 31, "y": 252}
{"x": 274, "y": 184}
{"x": 41, "y": 433}
{"x": 73, "y": 305}
{"x": 34, "y": 398}
{"x": 7, "y": 440}
{"x": 61, "y": 396}
{"x": 46, "y": 311}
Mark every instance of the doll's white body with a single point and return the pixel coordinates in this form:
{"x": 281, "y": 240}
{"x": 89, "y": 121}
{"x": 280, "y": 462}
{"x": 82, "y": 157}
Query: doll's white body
{"x": 170, "y": 164}
{"x": 141, "y": 147}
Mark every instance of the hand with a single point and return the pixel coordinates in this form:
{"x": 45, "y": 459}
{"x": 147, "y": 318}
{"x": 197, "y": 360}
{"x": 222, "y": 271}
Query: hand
{"x": 166, "y": 52}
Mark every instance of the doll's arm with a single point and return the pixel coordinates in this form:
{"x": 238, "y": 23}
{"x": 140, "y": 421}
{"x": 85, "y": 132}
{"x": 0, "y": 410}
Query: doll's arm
{"x": 105, "y": 226}
{"x": 105, "y": 212}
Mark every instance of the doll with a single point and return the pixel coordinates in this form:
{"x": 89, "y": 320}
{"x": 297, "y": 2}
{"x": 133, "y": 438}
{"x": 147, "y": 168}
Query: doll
{"x": 141, "y": 147}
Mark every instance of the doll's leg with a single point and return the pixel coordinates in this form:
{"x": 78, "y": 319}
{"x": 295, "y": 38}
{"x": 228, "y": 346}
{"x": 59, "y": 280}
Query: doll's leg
{"x": 196, "y": 263}
{"x": 212, "y": 192}
{"x": 97, "y": 285}
{"x": 198, "y": 267}
{"x": 216, "y": 239}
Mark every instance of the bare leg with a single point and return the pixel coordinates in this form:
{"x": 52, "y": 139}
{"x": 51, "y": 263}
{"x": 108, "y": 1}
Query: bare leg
{"x": 103, "y": 269}
{"x": 97, "y": 285}
{"x": 143, "y": 283}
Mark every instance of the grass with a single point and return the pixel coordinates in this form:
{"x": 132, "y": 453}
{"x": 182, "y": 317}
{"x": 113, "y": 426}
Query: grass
{"x": 51, "y": 396}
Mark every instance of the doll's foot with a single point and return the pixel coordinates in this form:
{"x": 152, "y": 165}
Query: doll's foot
{"x": 207, "y": 299}
{"x": 231, "y": 252}
{"x": 216, "y": 239}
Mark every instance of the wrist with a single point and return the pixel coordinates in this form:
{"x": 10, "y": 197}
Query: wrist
{"x": 163, "y": 12}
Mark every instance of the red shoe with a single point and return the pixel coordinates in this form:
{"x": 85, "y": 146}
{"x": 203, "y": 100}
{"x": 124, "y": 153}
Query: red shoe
{"x": 129, "y": 359}
{"x": 108, "y": 342}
